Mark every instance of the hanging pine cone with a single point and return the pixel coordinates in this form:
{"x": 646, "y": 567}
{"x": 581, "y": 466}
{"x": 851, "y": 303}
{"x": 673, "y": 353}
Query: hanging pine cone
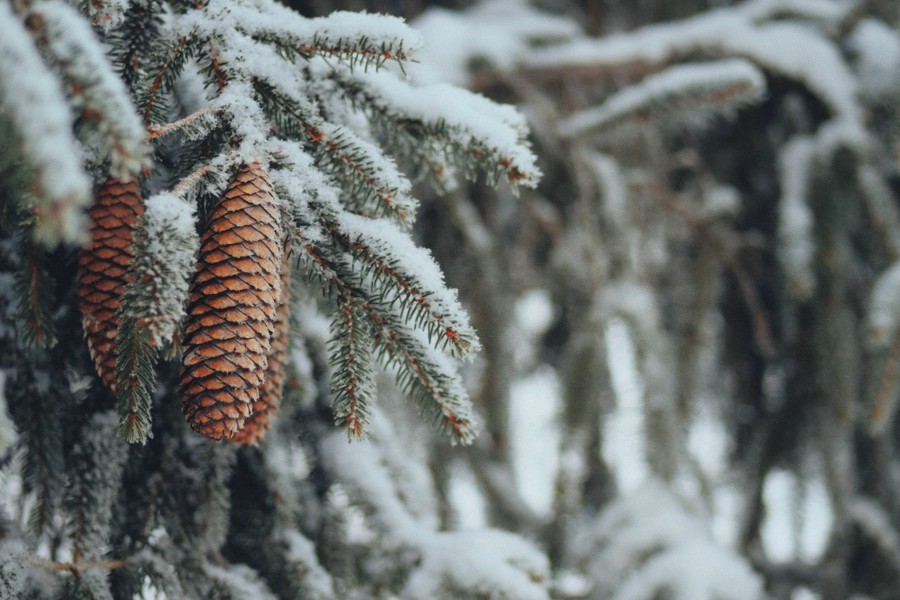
{"x": 270, "y": 392}
{"x": 102, "y": 268}
{"x": 233, "y": 307}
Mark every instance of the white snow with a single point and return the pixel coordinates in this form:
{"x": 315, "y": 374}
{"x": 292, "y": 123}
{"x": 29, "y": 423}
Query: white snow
{"x": 466, "y": 498}
{"x": 478, "y": 121}
{"x": 33, "y": 99}
{"x": 877, "y": 57}
{"x": 107, "y": 14}
{"x": 8, "y": 433}
{"x": 650, "y": 540}
{"x": 302, "y": 551}
{"x": 385, "y": 240}
{"x": 720, "y": 576}
{"x": 170, "y": 244}
{"x": 485, "y": 561}
{"x": 79, "y": 55}
{"x": 240, "y": 580}
{"x": 800, "y": 517}
{"x": 534, "y": 406}
{"x": 796, "y": 241}
{"x": 534, "y": 311}
{"x": 489, "y": 563}
{"x": 264, "y": 18}
{"x": 785, "y": 48}
{"x": 623, "y": 429}
{"x": 496, "y": 31}
{"x": 826, "y": 11}
{"x": 171, "y": 210}
{"x": 13, "y": 566}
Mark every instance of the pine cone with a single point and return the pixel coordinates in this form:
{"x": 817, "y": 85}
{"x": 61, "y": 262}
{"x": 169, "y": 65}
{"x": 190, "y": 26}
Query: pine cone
{"x": 233, "y": 307}
{"x": 102, "y": 270}
{"x": 270, "y": 393}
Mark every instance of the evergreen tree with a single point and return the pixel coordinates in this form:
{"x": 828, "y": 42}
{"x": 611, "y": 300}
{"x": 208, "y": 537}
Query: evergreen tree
{"x": 217, "y": 198}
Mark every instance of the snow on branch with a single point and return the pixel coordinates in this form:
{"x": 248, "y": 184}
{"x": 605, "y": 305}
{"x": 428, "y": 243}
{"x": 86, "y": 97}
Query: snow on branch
{"x": 153, "y": 305}
{"x": 691, "y": 94}
{"x": 474, "y": 134}
{"x": 478, "y": 563}
{"x": 648, "y": 544}
{"x": 825, "y": 11}
{"x": 165, "y": 244}
{"x": 430, "y": 379}
{"x": 366, "y": 40}
{"x": 96, "y": 92}
{"x": 375, "y": 184}
{"x": 33, "y": 102}
{"x": 789, "y": 49}
{"x": 424, "y": 373}
{"x": 400, "y": 271}
{"x": 106, "y": 14}
{"x": 796, "y": 242}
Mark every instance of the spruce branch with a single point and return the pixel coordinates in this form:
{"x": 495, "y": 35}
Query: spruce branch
{"x": 152, "y": 306}
{"x": 34, "y": 107}
{"x": 76, "y": 568}
{"x": 35, "y": 405}
{"x": 174, "y": 57}
{"x": 485, "y": 140}
{"x": 133, "y": 42}
{"x": 98, "y": 95}
{"x": 339, "y": 35}
{"x": 375, "y": 188}
{"x": 155, "y": 131}
{"x": 135, "y": 376}
{"x": 422, "y": 296}
{"x": 36, "y": 298}
{"x": 427, "y": 377}
{"x": 352, "y": 381}
{"x": 98, "y": 460}
{"x": 681, "y": 95}
{"x": 424, "y": 374}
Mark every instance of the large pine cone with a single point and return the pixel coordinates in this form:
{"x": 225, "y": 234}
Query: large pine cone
{"x": 270, "y": 393}
{"x": 103, "y": 267}
{"x": 233, "y": 307}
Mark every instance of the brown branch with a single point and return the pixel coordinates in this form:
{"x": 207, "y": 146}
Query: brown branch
{"x": 154, "y": 132}
{"x": 77, "y": 567}
{"x": 34, "y": 266}
{"x": 191, "y": 180}
{"x": 885, "y": 406}
{"x": 157, "y": 81}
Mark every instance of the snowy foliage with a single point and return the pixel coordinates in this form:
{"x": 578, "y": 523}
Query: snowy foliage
{"x": 12, "y": 568}
{"x": 679, "y": 350}
{"x": 32, "y": 101}
{"x": 692, "y": 93}
{"x": 165, "y": 244}
{"x": 647, "y": 544}
{"x": 485, "y": 562}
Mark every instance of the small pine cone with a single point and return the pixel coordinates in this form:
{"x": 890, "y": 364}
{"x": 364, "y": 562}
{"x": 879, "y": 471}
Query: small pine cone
{"x": 233, "y": 307}
{"x": 103, "y": 267}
